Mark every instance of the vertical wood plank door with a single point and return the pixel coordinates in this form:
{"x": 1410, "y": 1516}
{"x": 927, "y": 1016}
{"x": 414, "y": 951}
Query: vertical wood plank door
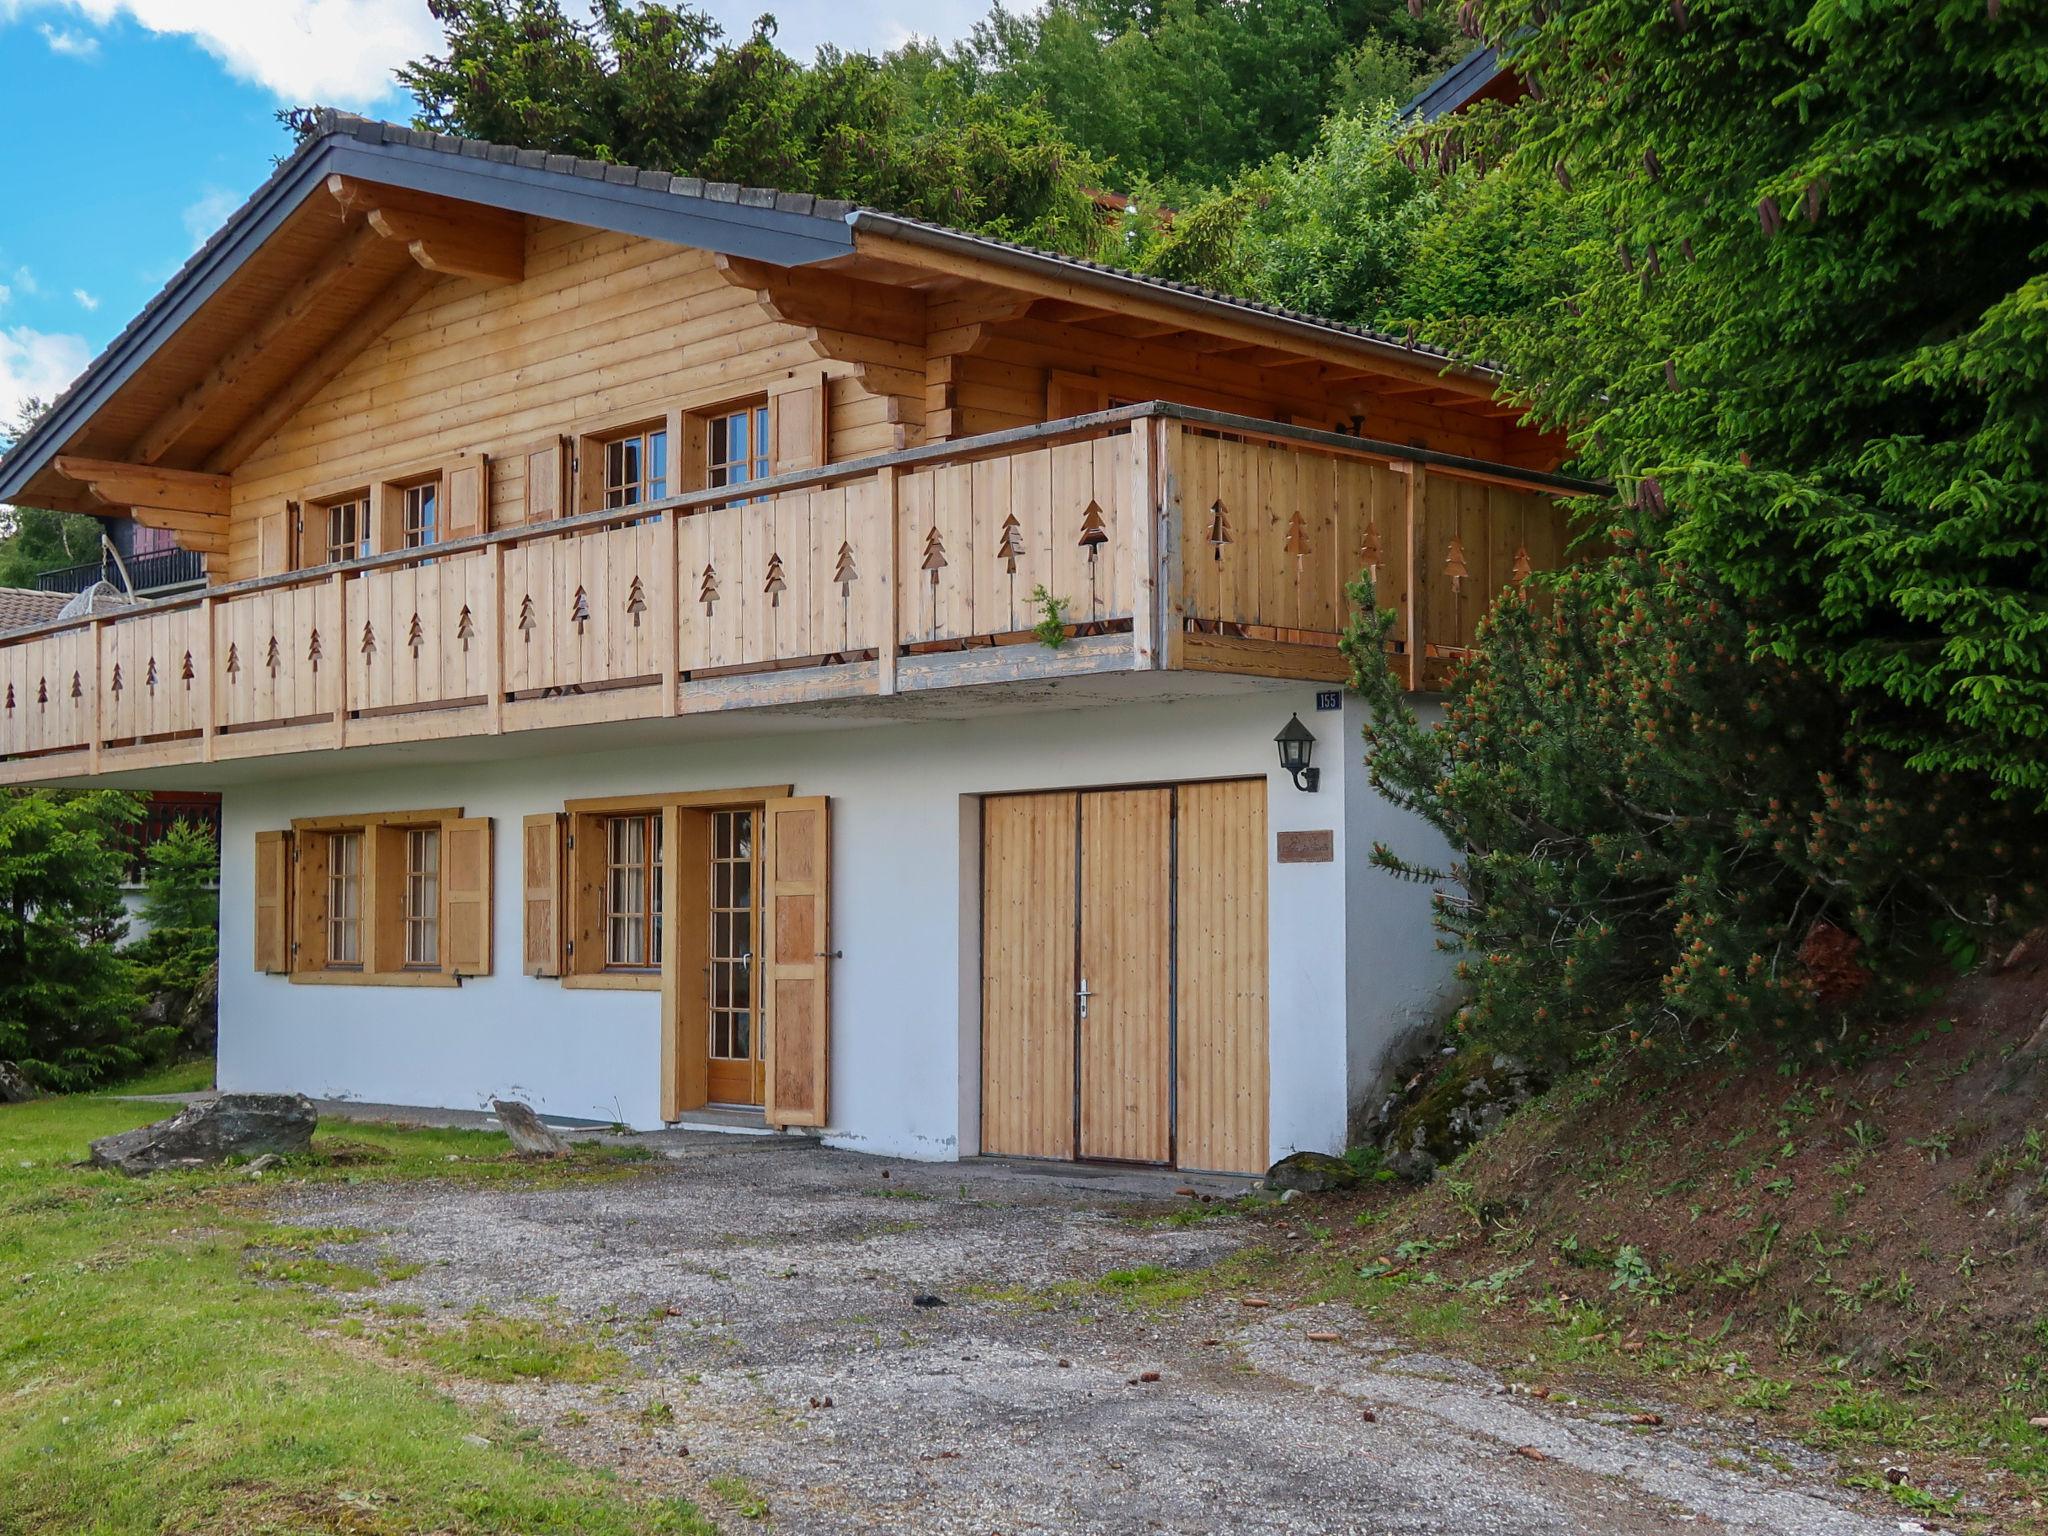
{"x": 1027, "y": 975}
{"x": 1126, "y": 1047}
{"x": 796, "y": 935}
{"x": 1220, "y": 977}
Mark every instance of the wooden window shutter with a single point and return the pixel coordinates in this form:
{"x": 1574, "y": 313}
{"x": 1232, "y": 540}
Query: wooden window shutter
{"x": 1073, "y": 394}
{"x": 547, "y": 481}
{"x": 273, "y": 902}
{"x": 800, "y": 420}
{"x": 466, "y": 896}
{"x": 309, "y": 900}
{"x": 542, "y": 839}
{"x": 465, "y": 498}
{"x": 274, "y": 538}
{"x": 795, "y": 977}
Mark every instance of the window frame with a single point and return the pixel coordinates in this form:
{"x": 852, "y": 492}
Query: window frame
{"x": 345, "y": 884}
{"x": 422, "y": 929}
{"x": 385, "y": 888}
{"x": 644, "y": 878}
{"x": 323, "y": 510}
{"x": 759, "y": 462}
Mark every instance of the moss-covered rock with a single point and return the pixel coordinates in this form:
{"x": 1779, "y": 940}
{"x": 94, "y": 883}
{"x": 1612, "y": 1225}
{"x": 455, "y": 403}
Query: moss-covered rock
{"x": 1444, "y": 1113}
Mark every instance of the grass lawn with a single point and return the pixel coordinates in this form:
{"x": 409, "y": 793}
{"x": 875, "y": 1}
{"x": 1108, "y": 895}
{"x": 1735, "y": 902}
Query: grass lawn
{"x": 161, "y": 1371}
{"x": 184, "y": 1077}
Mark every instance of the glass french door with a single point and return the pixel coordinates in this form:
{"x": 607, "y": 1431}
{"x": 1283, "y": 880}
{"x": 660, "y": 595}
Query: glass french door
{"x": 737, "y": 1073}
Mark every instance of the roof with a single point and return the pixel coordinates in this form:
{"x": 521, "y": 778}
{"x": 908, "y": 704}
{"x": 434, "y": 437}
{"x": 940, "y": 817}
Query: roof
{"x": 782, "y": 228}
{"x": 21, "y": 607}
{"x": 1458, "y": 86}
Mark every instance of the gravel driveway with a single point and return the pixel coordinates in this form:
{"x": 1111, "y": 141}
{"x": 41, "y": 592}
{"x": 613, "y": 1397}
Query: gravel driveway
{"x": 763, "y": 1290}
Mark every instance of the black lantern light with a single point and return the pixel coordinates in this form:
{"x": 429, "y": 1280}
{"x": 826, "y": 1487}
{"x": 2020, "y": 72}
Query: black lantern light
{"x": 1297, "y": 745}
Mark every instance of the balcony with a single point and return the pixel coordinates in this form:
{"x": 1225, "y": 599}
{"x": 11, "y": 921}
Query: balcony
{"x": 150, "y": 573}
{"x": 1176, "y": 538}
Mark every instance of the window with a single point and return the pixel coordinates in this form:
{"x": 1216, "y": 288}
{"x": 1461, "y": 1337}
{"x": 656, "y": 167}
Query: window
{"x": 345, "y": 899}
{"x": 632, "y": 891}
{"x": 423, "y": 897}
{"x": 736, "y": 450}
{"x": 346, "y": 526}
{"x": 421, "y": 514}
{"x": 732, "y": 935}
{"x": 636, "y": 468}
{"x": 390, "y": 898}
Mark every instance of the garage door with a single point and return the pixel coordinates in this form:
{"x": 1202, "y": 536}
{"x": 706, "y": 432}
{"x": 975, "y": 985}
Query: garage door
{"x": 1124, "y": 975}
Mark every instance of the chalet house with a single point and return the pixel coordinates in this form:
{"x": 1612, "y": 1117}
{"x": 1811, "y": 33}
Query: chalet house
{"x": 680, "y": 652}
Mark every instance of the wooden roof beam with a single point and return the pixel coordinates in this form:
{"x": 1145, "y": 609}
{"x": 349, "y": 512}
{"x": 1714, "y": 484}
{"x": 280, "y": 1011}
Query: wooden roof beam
{"x": 371, "y": 322}
{"x": 133, "y": 485}
{"x": 453, "y": 239}
{"x": 358, "y": 249}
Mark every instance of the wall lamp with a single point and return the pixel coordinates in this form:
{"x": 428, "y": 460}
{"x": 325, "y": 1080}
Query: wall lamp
{"x": 1297, "y": 745}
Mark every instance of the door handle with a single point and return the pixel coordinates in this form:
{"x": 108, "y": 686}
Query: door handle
{"x": 1084, "y": 994}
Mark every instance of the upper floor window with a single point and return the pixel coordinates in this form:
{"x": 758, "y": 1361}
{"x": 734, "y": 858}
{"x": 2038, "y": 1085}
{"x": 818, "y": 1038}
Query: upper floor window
{"x": 737, "y": 448}
{"x": 346, "y": 525}
{"x": 636, "y": 467}
{"x": 420, "y": 514}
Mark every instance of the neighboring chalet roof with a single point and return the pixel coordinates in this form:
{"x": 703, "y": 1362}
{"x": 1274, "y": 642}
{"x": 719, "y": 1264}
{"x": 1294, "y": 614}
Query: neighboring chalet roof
{"x": 258, "y": 264}
{"x": 1480, "y": 75}
{"x": 21, "y": 607}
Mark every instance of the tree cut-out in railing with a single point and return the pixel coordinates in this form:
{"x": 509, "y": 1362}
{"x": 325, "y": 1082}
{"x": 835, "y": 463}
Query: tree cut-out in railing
{"x": 1094, "y": 534}
{"x": 636, "y": 601}
{"x": 845, "y": 573}
{"x": 1523, "y": 565}
{"x": 465, "y": 627}
{"x": 117, "y": 684}
{"x": 1296, "y": 543}
{"x": 149, "y": 677}
{"x": 313, "y": 650}
{"x": 10, "y": 698}
{"x": 1010, "y": 544}
{"x": 415, "y": 636}
{"x": 774, "y": 586}
{"x": 77, "y": 687}
{"x": 1369, "y": 549}
{"x": 185, "y": 670}
{"x": 1454, "y": 564}
{"x": 234, "y": 662}
{"x": 933, "y": 562}
{"x": 1219, "y": 528}
{"x": 369, "y": 644}
{"x": 526, "y": 618}
{"x": 273, "y": 655}
{"x": 42, "y": 694}
{"x": 579, "y": 610}
{"x": 707, "y": 591}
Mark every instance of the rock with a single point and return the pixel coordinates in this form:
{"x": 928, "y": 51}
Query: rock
{"x": 1447, "y": 1110}
{"x": 927, "y": 1301}
{"x": 1313, "y": 1173}
{"x": 529, "y": 1137}
{"x": 2038, "y": 1422}
{"x": 211, "y": 1131}
{"x": 162, "y": 1009}
{"x": 262, "y": 1165}
{"x": 14, "y": 1088}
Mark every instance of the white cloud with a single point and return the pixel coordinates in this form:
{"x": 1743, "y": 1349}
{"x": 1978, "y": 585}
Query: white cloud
{"x": 6, "y": 293}
{"x": 36, "y": 363}
{"x": 70, "y": 44}
{"x": 208, "y": 212}
{"x": 332, "y": 52}
{"x": 25, "y": 280}
{"x": 86, "y": 301}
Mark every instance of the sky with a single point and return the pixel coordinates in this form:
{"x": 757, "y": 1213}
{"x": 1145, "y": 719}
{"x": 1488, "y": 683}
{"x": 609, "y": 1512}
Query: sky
{"x": 136, "y": 126}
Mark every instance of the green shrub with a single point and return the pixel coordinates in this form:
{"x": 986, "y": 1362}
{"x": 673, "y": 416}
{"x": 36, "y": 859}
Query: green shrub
{"x": 1661, "y": 836}
{"x": 68, "y": 995}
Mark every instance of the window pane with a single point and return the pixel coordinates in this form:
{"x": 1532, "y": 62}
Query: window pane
{"x": 657, "y": 465}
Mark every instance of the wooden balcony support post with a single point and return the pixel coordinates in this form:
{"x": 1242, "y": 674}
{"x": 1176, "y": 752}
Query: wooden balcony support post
{"x": 1173, "y": 598}
{"x": 340, "y": 580}
{"x": 209, "y": 714}
{"x": 494, "y": 655}
{"x": 98, "y": 721}
{"x": 892, "y": 636}
{"x": 670, "y": 649}
{"x": 1416, "y": 639}
{"x": 1143, "y": 500}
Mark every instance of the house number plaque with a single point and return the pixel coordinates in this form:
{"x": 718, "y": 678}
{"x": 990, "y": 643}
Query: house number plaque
{"x": 1307, "y": 847}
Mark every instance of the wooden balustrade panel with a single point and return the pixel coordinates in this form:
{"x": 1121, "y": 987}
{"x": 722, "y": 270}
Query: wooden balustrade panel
{"x": 1489, "y": 533}
{"x": 975, "y": 540}
{"x": 152, "y": 667}
{"x": 587, "y": 608}
{"x": 48, "y": 692}
{"x": 1272, "y": 536}
{"x": 419, "y": 634}
{"x": 278, "y": 655}
{"x": 792, "y": 576}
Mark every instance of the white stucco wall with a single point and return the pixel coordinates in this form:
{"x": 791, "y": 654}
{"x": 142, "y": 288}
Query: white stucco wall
{"x": 905, "y": 1025}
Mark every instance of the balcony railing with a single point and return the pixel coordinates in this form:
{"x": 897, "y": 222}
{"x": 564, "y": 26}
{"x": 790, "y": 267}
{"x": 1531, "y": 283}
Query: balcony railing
{"x": 1172, "y": 538}
{"x": 150, "y": 573}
